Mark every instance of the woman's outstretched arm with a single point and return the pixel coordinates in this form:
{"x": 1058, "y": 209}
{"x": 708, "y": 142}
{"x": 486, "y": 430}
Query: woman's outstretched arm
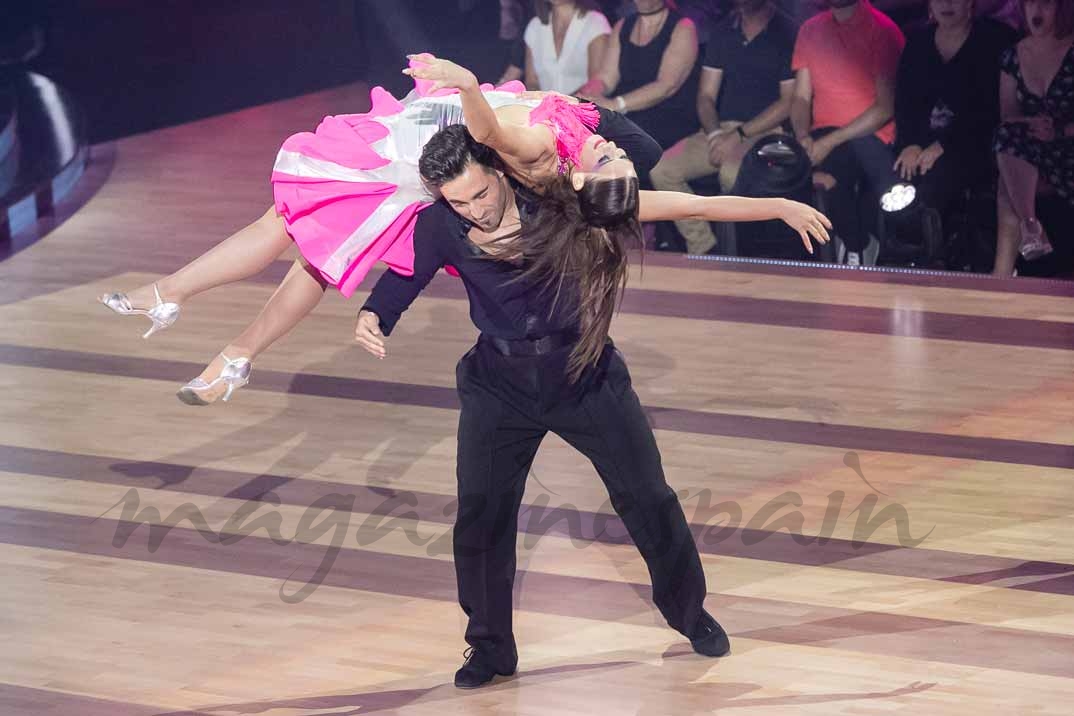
{"x": 526, "y": 144}
{"x": 673, "y": 206}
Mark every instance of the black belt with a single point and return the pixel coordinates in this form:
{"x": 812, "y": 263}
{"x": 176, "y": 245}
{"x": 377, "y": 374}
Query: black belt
{"x": 531, "y": 346}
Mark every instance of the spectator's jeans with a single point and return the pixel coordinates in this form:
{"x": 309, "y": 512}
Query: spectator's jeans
{"x": 689, "y": 160}
{"x": 858, "y": 166}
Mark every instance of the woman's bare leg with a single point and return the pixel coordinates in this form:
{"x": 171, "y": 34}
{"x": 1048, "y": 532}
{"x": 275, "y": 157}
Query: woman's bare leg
{"x": 1008, "y": 233}
{"x": 243, "y": 254}
{"x": 298, "y": 294}
{"x": 1021, "y": 178}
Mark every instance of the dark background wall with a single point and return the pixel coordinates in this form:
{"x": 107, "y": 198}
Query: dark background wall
{"x": 135, "y": 65}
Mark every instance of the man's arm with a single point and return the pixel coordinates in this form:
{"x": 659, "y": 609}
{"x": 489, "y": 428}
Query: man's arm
{"x": 774, "y": 114}
{"x": 885, "y": 59}
{"x": 394, "y": 293}
{"x": 876, "y": 116}
{"x": 707, "y": 92}
{"x": 802, "y": 104}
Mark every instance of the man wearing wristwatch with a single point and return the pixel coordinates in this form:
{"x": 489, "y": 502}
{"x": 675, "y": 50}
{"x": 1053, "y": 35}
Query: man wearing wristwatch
{"x": 745, "y": 92}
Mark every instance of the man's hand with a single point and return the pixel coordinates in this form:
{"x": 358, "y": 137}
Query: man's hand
{"x": 722, "y": 145}
{"x": 820, "y": 150}
{"x": 367, "y": 333}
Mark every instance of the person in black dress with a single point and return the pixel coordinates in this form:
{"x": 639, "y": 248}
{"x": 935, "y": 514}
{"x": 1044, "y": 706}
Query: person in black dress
{"x": 1035, "y": 140}
{"x": 651, "y": 72}
{"x": 947, "y": 102}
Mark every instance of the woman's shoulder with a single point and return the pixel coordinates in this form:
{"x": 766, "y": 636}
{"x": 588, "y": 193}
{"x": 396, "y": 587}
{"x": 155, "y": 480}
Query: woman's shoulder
{"x": 595, "y": 20}
{"x": 683, "y": 25}
{"x": 534, "y": 28}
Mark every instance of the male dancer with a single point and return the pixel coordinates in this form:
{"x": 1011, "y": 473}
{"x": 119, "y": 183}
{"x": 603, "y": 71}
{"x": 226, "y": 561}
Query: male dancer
{"x": 514, "y": 389}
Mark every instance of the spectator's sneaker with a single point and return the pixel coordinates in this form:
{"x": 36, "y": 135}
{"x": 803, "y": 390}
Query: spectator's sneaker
{"x": 853, "y": 258}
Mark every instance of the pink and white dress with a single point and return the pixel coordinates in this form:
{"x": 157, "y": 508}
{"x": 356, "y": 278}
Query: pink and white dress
{"x": 350, "y": 192}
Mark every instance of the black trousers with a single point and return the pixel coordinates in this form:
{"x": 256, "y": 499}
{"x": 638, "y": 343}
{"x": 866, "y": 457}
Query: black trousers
{"x": 642, "y": 149}
{"x": 863, "y": 171}
{"x": 508, "y": 405}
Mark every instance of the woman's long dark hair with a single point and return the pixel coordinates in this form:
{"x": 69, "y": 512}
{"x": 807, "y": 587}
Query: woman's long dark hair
{"x": 576, "y": 247}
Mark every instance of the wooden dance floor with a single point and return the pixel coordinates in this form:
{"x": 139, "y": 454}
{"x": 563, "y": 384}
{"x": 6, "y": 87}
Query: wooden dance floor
{"x": 879, "y": 469}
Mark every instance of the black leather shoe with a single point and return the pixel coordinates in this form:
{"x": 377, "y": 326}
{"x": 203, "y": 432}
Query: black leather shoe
{"x": 481, "y": 667}
{"x": 709, "y": 637}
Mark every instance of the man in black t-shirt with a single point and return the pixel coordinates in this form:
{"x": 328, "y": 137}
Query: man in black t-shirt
{"x": 745, "y": 92}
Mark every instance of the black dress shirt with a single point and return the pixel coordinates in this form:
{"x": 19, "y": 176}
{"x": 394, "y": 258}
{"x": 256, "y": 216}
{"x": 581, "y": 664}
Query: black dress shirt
{"x": 500, "y": 305}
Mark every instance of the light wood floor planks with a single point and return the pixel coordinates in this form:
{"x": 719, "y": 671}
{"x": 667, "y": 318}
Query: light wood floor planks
{"x": 777, "y": 397}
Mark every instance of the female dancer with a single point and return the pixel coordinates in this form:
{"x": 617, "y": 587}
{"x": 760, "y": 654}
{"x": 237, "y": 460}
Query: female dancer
{"x": 348, "y": 196}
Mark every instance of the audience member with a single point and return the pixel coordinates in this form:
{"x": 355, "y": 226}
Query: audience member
{"x": 845, "y": 62}
{"x": 947, "y": 102}
{"x": 652, "y": 66}
{"x": 565, "y": 44}
{"x": 745, "y": 91}
{"x": 514, "y": 15}
{"x": 1036, "y": 137}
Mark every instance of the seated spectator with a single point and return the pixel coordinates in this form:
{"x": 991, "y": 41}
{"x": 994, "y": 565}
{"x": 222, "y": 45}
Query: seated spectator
{"x": 514, "y": 15}
{"x": 745, "y": 92}
{"x": 516, "y": 61}
{"x": 1036, "y": 136}
{"x": 845, "y": 61}
{"x": 565, "y": 44}
{"x": 947, "y": 102}
{"x": 651, "y": 66}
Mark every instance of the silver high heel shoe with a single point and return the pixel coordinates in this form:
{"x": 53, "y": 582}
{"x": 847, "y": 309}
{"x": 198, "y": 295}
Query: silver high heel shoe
{"x": 163, "y": 315}
{"x": 234, "y": 374}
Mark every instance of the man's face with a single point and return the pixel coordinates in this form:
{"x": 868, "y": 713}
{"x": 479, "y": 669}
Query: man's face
{"x": 478, "y": 195}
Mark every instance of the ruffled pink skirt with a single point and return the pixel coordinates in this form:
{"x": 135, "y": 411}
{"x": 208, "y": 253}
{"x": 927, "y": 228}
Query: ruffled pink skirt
{"x": 350, "y": 193}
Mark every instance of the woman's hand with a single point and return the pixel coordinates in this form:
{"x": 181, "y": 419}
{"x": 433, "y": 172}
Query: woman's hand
{"x": 367, "y": 333}
{"x": 807, "y": 221}
{"x": 442, "y": 73}
{"x": 928, "y": 157}
{"x": 594, "y": 88}
{"x": 907, "y": 163}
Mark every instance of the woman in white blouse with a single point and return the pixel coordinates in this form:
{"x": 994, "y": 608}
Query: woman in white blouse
{"x": 565, "y": 42}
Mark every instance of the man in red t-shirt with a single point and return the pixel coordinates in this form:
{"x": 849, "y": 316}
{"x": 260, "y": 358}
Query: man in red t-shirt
{"x": 845, "y": 61}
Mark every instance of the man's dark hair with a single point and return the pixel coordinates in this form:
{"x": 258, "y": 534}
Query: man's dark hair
{"x": 448, "y": 152}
